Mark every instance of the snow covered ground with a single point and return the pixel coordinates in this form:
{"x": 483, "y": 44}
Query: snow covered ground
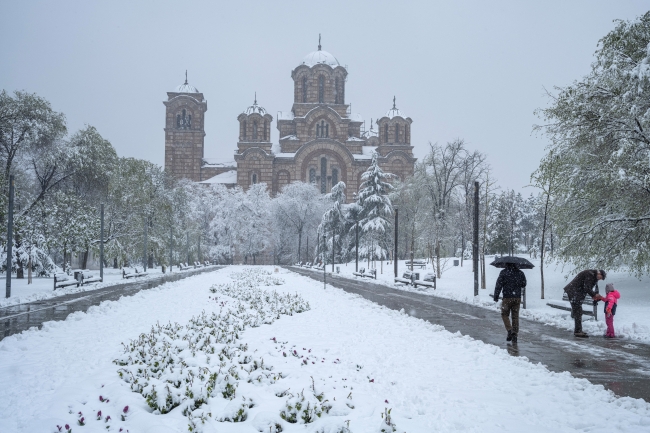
{"x": 632, "y": 319}
{"x": 361, "y": 358}
{"x": 43, "y": 288}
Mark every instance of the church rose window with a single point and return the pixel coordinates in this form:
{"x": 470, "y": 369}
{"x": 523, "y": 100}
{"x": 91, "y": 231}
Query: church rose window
{"x": 304, "y": 89}
{"x": 323, "y": 175}
{"x": 312, "y": 175}
{"x": 335, "y": 177}
{"x": 321, "y": 89}
{"x": 254, "y": 129}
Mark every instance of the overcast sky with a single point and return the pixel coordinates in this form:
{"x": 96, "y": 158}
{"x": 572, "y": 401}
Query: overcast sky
{"x": 465, "y": 69}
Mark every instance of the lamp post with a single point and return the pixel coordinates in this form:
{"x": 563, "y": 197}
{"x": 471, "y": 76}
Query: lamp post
{"x": 10, "y": 234}
{"x": 324, "y": 271}
{"x": 475, "y": 246}
{"x": 396, "y": 239}
{"x": 356, "y": 249}
{"x": 101, "y": 243}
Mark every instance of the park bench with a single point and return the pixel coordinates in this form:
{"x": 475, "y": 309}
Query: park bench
{"x": 197, "y": 265}
{"x": 429, "y": 280}
{"x": 588, "y": 301}
{"x": 406, "y": 278}
{"x": 319, "y": 267}
{"x": 132, "y": 273}
{"x": 417, "y": 264}
{"x": 308, "y": 265}
{"x": 299, "y": 264}
{"x": 372, "y": 273}
{"x": 83, "y": 276}
{"x": 61, "y": 279}
{"x": 183, "y": 266}
{"x": 360, "y": 273}
{"x": 206, "y": 263}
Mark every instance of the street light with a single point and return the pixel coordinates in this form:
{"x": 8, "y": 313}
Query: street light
{"x": 395, "y": 253}
{"x": 323, "y": 258}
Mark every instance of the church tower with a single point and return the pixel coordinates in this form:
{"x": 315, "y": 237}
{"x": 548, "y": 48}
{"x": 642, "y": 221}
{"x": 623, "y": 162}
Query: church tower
{"x": 185, "y": 132}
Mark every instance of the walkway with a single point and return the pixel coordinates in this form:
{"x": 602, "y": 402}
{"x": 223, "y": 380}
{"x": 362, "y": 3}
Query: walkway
{"x": 18, "y": 318}
{"x": 620, "y": 365}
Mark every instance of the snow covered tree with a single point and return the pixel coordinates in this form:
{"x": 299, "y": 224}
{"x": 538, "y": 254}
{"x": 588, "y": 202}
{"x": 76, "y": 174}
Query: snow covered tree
{"x": 333, "y": 221}
{"x": 506, "y": 226}
{"x": 376, "y": 209}
{"x": 299, "y": 203}
{"x": 600, "y": 144}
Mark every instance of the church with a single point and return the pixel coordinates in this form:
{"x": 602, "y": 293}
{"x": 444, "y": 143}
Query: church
{"x": 321, "y": 140}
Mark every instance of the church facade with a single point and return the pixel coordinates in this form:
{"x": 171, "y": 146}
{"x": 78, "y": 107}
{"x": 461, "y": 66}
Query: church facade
{"x": 321, "y": 140}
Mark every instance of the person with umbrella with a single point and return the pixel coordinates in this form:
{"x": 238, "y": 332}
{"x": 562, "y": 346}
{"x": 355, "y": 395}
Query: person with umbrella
{"x": 511, "y": 281}
{"x": 578, "y": 289}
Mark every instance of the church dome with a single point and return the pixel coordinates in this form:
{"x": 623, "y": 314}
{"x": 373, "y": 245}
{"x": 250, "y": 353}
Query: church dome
{"x": 320, "y": 57}
{"x": 255, "y": 108}
{"x": 186, "y": 88}
{"x": 395, "y": 112}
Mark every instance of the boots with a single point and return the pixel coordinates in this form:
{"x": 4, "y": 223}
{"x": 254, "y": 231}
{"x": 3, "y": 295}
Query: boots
{"x": 514, "y": 338}
{"x": 509, "y": 337}
{"x": 580, "y": 334}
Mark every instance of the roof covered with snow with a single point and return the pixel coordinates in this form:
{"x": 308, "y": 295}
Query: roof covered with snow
{"x": 320, "y": 57}
{"x": 355, "y": 117}
{"x": 285, "y": 115}
{"x": 366, "y": 152}
{"x": 395, "y": 112}
{"x": 219, "y": 162}
{"x": 186, "y": 88}
{"x": 229, "y": 177}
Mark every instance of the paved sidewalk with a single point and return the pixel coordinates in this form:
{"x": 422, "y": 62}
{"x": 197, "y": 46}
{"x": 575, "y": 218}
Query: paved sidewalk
{"x": 620, "y": 365}
{"x": 15, "y": 319}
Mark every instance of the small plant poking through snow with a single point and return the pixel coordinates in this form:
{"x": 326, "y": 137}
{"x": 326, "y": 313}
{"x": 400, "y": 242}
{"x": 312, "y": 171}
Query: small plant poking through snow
{"x": 185, "y": 366}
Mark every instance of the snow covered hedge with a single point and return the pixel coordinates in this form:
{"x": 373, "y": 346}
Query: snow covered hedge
{"x": 176, "y": 366}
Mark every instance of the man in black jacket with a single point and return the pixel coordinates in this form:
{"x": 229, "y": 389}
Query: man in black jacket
{"x": 511, "y": 280}
{"x": 581, "y": 286}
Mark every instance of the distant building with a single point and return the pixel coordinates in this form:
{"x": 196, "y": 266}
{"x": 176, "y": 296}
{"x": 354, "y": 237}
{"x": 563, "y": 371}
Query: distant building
{"x": 321, "y": 141}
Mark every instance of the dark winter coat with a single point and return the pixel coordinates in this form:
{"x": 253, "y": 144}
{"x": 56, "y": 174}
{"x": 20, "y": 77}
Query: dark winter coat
{"x": 582, "y": 285}
{"x": 511, "y": 280}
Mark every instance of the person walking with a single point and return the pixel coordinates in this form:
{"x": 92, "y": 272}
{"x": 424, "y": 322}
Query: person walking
{"x": 611, "y": 301}
{"x": 511, "y": 281}
{"x": 582, "y": 285}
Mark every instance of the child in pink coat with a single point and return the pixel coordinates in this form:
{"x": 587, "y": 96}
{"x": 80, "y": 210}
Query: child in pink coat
{"x": 611, "y": 300}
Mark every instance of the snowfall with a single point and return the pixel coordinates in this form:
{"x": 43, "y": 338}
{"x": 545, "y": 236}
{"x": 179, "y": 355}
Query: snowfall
{"x": 255, "y": 350}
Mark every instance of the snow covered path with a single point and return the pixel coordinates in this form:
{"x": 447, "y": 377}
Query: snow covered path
{"x": 432, "y": 379}
{"x": 620, "y": 365}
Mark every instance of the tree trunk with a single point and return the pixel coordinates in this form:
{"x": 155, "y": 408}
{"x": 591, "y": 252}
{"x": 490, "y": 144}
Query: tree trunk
{"x": 299, "y": 243}
{"x": 438, "y": 258}
{"x": 84, "y": 264}
{"x": 115, "y": 263}
{"x": 462, "y": 248}
{"x": 29, "y": 271}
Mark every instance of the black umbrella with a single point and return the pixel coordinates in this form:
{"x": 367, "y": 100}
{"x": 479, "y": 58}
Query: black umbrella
{"x": 520, "y": 262}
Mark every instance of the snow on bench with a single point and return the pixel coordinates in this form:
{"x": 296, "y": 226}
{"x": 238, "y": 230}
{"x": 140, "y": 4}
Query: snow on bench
{"x": 61, "y": 279}
{"x": 85, "y": 277}
{"x": 429, "y": 280}
{"x": 197, "y": 265}
{"x": 183, "y": 266}
{"x": 132, "y": 273}
{"x": 417, "y": 264}
{"x": 372, "y": 273}
{"x": 407, "y": 278}
{"x": 587, "y": 301}
{"x": 360, "y": 273}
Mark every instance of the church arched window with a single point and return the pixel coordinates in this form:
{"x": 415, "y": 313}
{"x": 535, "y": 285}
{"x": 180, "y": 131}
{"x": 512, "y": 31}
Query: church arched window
{"x": 397, "y": 133}
{"x": 254, "y": 129}
{"x": 336, "y": 91}
{"x": 304, "y": 89}
{"x": 254, "y": 178}
{"x": 323, "y": 175}
{"x": 322, "y": 129}
{"x": 321, "y": 89}
{"x": 312, "y": 175}
{"x": 243, "y": 131}
{"x": 178, "y": 120}
{"x": 407, "y": 132}
{"x": 335, "y": 177}
{"x": 183, "y": 119}
{"x": 264, "y": 137}
{"x": 386, "y": 133}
